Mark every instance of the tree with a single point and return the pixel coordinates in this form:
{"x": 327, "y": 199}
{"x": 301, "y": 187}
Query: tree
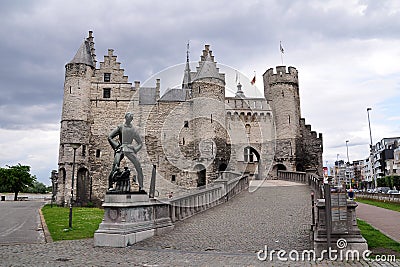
{"x": 36, "y": 188}
{"x": 16, "y": 178}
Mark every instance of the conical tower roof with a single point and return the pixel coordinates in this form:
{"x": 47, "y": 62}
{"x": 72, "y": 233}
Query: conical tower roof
{"x": 83, "y": 55}
{"x": 186, "y": 76}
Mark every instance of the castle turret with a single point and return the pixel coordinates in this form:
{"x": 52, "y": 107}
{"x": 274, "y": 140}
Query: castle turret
{"x": 208, "y": 92}
{"x": 239, "y": 93}
{"x": 281, "y": 89}
{"x": 75, "y": 124}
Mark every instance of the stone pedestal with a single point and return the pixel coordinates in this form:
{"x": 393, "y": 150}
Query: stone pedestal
{"x": 130, "y": 218}
{"x": 348, "y": 231}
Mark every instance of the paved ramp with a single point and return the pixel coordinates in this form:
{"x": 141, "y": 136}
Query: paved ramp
{"x": 20, "y": 222}
{"x": 276, "y": 214}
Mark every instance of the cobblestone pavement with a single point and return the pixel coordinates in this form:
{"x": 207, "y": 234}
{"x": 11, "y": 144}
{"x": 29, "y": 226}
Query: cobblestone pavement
{"x": 279, "y": 217}
{"x": 227, "y": 235}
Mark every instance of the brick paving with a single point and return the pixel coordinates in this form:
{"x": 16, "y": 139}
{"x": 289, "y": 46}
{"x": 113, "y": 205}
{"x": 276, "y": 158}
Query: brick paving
{"x": 227, "y": 235}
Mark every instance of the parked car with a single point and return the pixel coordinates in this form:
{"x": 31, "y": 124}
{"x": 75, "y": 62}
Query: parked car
{"x": 393, "y": 192}
{"x": 383, "y": 190}
{"x": 370, "y": 190}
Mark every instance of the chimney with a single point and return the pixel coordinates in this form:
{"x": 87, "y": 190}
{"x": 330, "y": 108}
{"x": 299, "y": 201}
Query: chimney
{"x": 137, "y": 85}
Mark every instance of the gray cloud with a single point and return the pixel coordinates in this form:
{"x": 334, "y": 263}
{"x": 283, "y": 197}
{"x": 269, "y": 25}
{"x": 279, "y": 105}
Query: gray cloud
{"x": 343, "y": 50}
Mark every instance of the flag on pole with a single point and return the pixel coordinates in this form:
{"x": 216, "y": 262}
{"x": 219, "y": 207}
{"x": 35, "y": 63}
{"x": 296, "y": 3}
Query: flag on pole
{"x": 253, "y": 81}
{"x": 281, "y": 48}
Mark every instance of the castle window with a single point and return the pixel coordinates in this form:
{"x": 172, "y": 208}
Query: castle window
{"x": 83, "y": 150}
{"x": 289, "y": 118}
{"x": 248, "y": 127}
{"x": 183, "y": 141}
{"x": 248, "y": 155}
{"x": 97, "y": 153}
{"x": 186, "y": 124}
{"x": 173, "y": 178}
{"x": 107, "y": 93}
{"x": 107, "y": 77}
{"x": 283, "y": 94}
{"x": 211, "y": 118}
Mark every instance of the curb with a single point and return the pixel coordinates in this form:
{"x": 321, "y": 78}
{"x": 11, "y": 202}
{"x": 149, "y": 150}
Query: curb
{"x": 46, "y": 232}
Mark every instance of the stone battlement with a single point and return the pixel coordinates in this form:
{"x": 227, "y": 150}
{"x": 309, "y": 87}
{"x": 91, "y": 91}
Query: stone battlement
{"x": 281, "y": 75}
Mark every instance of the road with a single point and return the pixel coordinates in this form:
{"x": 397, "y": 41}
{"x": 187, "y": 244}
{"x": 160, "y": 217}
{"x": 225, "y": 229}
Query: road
{"x": 20, "y": 222}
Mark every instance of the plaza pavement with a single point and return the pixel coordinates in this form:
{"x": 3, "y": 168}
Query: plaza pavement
{"x": 277, "y": 214}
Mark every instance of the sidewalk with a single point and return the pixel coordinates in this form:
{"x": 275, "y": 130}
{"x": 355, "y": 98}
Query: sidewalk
{"x": 386, "y": 221}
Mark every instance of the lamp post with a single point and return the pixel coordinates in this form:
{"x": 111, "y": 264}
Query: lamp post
{"x": 74, "y": 146}
{"x": 348, "y": 164}
{"x": 370, "y": 149}
{"x": 336, "y": 169}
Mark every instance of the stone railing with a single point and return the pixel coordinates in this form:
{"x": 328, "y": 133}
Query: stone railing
{"x": 316, "y": 183}
{"x": 312, "y": 179}
{"x": 300, "y": 177}
{"x": 196, "y": 201}
{"x": 379, "y": 197}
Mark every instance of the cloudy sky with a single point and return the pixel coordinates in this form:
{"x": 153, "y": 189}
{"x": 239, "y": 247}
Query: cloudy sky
{"x": 347, "y": 54}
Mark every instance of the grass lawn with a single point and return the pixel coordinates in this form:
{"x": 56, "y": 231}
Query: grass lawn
{"x": 378, "y": 243}
{"x": 385, "y": 205}
{"x": 85, "y": 221}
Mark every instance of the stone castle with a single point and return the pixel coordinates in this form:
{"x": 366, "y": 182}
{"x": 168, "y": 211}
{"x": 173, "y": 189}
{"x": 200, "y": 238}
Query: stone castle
{"x": 191, "y": 134}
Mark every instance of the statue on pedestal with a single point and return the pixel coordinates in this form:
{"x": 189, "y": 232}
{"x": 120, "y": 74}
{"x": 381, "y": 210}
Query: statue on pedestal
{"x": 126, "y": 133}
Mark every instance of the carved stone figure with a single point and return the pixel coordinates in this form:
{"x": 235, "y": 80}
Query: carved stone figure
{"x": 126, "y": 134}
{"x": 121, "y": 180}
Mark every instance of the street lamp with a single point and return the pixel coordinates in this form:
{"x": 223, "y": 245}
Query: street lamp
{"x": 347, "y": 148}
{"x": 336, "y": 169}
{"x": 74, "y": 146}
{"x": 370, "y": 149}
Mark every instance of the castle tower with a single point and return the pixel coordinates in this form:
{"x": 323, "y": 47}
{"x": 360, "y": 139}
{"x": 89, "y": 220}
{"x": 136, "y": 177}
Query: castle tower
{"x": 281, "y": 89}
{"x": 75, "y": 118}
{"x": 208, "y": 96}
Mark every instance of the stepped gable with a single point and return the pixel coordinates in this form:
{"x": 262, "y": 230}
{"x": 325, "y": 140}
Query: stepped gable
{"x": 207, "y": 66}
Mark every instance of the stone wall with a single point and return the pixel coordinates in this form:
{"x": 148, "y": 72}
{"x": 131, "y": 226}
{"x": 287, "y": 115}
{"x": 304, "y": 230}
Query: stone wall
{"x": 250, "y": 125}
{"x": 309, "y": 156}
